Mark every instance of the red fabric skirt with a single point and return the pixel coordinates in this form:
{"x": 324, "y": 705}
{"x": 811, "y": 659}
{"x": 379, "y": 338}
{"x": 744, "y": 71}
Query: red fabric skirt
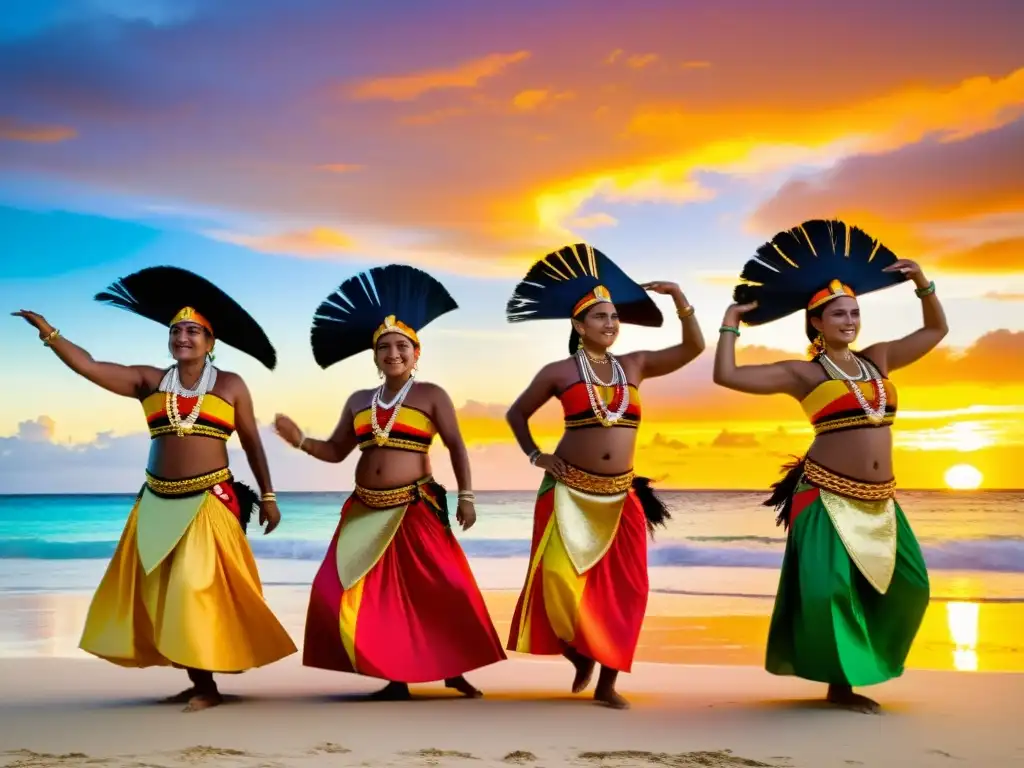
{"x": 417, "y": 615}
{"x": 600, "y": 612}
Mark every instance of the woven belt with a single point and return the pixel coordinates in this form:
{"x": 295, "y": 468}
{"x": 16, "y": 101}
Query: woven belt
{"x": 604, "y": 485}
{"x": 818, "y": 476}
{"x": 189, "y": 485}
{"x": 392, "y": 497}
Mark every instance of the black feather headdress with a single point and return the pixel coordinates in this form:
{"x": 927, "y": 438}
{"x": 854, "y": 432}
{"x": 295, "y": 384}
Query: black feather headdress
{"x": 796, "y": 264}
{"x": 556, "y": 283}
{"x": 345, "y": 323}
{"x": 160, "y": 293}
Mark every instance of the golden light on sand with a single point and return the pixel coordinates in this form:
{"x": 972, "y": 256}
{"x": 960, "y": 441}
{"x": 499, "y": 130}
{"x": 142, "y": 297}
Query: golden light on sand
{"x": 962, "y": 620}
{"x": 963, "y": 477}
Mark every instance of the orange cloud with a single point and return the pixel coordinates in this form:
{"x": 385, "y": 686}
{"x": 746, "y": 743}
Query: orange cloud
{"x": 994, "y": 256}
{"x": 434, "y": 116}
{"x": 614, "y": 56}
{"x": 532, "y": 99}
{"x": 695, "y": 64}
{"x": 468, "y": 74}
{"x": 318, "y": 241}
{"x": 751, "y": 140}
{"x": 341, "y": 167}
{"x": 13, "y": 129}
{"x": 641, "y": 60}
{"x": 1000, "y": 296}
{"x": 594, "y": 220}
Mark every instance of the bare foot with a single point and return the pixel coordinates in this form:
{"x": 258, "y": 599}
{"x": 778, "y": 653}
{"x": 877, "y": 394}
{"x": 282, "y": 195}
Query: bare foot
{"x": 181, "y": 698}
{"x": 203, "y": 701}
{"x": 610, "y": 698}
{"x": 584, "y": 672}
{"x": 843, "y": 696}
{"x": 463, "y": 686}
{"x": 391, "y": 692}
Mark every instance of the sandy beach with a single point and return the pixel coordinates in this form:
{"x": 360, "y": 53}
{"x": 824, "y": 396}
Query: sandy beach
{"x": 82, "y": 712}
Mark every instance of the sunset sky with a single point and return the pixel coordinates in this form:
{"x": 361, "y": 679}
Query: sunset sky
{"x": 279, "y": 147}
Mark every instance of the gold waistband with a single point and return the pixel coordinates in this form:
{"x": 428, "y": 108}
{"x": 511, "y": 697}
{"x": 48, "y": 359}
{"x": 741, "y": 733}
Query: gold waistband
{"x": 844, "y": 486}
{"x": 392, "y": 497}
{"x": 189, "y": 484}
{"x": 607, "y": 485}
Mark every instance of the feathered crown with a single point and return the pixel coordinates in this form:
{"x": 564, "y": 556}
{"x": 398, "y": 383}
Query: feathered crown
{"x": 170, "y": 295}
{"x": 392, "y": 299}
{"x": 567, "y": 281}
{"x": 813, "y": 262}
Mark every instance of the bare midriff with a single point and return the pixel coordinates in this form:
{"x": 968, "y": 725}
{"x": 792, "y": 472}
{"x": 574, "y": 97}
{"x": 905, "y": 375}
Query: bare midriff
{"x": 600, "y": 450}
{"x": 385, "y": 468}
{"x": 863, "y": 454}
{"x": 175, "y": 458}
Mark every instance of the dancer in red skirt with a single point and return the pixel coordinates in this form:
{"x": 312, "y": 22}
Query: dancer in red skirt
{"x": 586, "y": 587}
{"x": 395, "y": 597}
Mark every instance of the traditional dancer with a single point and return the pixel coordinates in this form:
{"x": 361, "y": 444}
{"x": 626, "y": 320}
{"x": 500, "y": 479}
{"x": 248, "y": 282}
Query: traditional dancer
{"x": 586, "y": 588}
{"x": 854, "y": 587}
{"x": 395, "y": 597}
{"x": 182, "y": 588}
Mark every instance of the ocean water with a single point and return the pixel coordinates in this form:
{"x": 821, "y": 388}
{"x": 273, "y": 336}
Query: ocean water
{"x": 718, "y": 544}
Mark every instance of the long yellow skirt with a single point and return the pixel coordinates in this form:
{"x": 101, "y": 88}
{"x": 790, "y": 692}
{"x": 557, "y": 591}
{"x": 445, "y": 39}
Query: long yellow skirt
{"x": 200, "y": 605}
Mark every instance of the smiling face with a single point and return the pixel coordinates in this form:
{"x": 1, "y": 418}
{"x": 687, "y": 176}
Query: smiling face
{"x": 839, "y": 322}
{"x": 395, "y": 355}
{"x": 189, "y": 342}
{"x": 599, "y": 327}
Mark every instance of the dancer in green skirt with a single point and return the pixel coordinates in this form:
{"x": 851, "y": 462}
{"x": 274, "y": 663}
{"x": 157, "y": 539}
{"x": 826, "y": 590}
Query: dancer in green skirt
{"x": 854, "y": 586}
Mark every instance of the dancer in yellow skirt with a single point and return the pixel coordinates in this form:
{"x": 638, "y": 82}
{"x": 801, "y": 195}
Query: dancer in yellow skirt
{"x": 182, "y": 588}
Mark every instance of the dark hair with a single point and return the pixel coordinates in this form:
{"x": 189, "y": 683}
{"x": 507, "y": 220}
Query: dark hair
{"x": 818, "y": 313}
{"x": 574, "y": 338}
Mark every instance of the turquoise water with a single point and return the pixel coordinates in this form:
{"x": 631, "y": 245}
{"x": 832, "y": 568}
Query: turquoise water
{"x": 60, "y": 543}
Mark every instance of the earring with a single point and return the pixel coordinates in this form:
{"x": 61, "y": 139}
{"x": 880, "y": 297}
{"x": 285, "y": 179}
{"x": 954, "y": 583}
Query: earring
{"x": 579, "y": 344}
{"x": 380, "y": 374}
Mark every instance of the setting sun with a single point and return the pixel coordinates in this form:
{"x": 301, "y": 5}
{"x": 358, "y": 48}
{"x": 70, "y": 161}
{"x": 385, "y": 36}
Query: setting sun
{"x": 963, "y": 477}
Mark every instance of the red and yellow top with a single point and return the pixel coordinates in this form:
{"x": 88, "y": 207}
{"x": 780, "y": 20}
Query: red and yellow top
{"x": 412, "y": 431}
{"x": 579, "y": 413}
{"x": 216, "y": 416}
{"x": 832, "y": 407}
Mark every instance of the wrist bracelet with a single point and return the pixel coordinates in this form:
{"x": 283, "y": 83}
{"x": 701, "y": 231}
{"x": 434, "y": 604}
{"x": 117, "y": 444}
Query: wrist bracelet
{"x": 729, "y": 329}
{"x": 928, "y": 290}
{"x": 685, "y": 312}
{"x": 467, "y": 496}
{"x": 51, "y": 337}
{"x": 534, "y": 455}
{"x": 269, "y": 496}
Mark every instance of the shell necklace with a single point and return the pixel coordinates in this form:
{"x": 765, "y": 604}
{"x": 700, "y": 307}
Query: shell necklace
{"x": 606, "y": 417}
{"x": 172, "y": 388}
{"x": 876, "y": 415}
{"x": 380, "y": 436}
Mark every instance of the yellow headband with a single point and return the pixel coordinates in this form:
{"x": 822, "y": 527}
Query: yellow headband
{"x": 834, "y": 290}
{"x": 599, "y": 295}
{"x": 189, "y": 315}
{"x": 391, "y": 325}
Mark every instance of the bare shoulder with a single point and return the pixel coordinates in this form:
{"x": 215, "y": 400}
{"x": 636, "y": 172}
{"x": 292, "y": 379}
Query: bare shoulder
{"x": 151, "y": 376}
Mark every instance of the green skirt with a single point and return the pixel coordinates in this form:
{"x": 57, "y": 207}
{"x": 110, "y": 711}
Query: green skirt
{"x": 829, "y": 624}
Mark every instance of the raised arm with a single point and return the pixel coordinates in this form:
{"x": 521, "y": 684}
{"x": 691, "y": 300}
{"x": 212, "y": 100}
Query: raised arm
{"x": 782, "y": 378}
{"x": 665, "y": 361}
{"x": 334, "y": 449}
{"x": 892, "y": 355}
{"x": 125, "y": 380}
{"x": 249, "y": 437}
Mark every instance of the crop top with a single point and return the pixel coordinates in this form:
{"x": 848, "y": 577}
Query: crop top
{"x": 412, "y": 431}
{"x": 832, "y": 407}
{"x": 579, "y": 413}
{"x": 216, "y": 417}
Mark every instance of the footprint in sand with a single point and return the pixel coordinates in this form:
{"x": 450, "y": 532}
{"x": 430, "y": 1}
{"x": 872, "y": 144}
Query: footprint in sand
{"x": 634, "y": 759}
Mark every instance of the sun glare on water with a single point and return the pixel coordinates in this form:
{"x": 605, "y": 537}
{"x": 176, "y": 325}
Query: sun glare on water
{"x": 963, "y": 477}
